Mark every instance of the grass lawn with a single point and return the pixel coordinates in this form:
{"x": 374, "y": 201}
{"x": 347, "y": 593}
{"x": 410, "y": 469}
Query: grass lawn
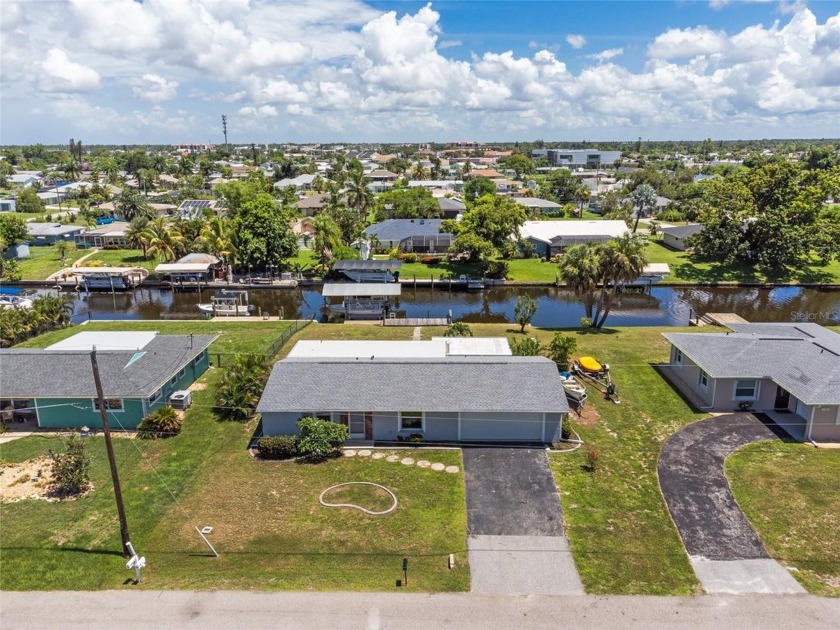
{"x": 685, "y": 269}
{"x": 790, "y": 494}
{"x": 619, "y": 528}
{"x": 269, "y": 528}
{"x": 30, "y": 215}
{"x": 45, "y": 260}
{"x": 124, "y": 258}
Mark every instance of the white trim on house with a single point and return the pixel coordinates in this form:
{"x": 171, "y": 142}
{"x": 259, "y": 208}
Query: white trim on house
{"x": 703, "y": 380}
{"x": 413, "y": 416}
{"x": 756, "y": 389}
{"x": 95, "y": 405}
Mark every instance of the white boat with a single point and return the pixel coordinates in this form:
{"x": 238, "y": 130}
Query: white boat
{"x": 573, "y": 389}
{"x": 15, "y": 301}
{"x": 473, "y": 284}
{"x": 228, "y": 303}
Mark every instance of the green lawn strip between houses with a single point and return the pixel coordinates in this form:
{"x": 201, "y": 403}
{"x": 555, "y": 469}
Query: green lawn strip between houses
{"x": 269, "y": 527}
{"x": 124, "y": 258}
{"x": 790, "y": 494}
{"x": 620, "y": 531}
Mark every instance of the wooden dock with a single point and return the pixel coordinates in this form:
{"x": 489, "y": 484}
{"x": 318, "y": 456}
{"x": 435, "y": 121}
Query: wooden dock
{"x": 719, "y": 319}
{"x": 415, "y": 321}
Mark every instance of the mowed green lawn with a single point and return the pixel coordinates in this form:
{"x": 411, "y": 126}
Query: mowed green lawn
{"x": 124, "y": 258}
{"x": 268, "y": 526}
{"x": 45, "y": 260}
{"x": 791, "y": 495}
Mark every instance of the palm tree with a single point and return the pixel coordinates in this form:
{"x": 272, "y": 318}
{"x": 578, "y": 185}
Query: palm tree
{"x": 622, "y": 261}
{"x": 135, "y": 234}
{"x": 216, "y": 236}
{"x": 71, "y": 170}
{"x": 358, "y": 193}
{"x": 162, "y": 240}
{"x": 327, "y": 236}
{"x": 132, "y": 204}
{"x": 418, "y": 171}
{"x": 643, "y": 198}
{"x": 580, "y": 271}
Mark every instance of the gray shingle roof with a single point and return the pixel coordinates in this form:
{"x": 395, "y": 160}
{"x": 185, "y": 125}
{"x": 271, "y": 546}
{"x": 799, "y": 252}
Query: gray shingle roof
{"x": 446, "y": 203}
{"x": 479, "y": 384}
{"x": 682, "y": 231}
{"x": 802, "y": 358}
{"x": 32, "y": 373}
{"x": 398, "y": 229}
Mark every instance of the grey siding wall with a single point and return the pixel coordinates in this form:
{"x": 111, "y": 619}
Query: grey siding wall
{"x": 540, "y": 248}
{"x": 502, "y": 426}
{"x": 689, "y": 373}
{"x": 386, "y": 425}
{"x": 553, "y": 426}
{"x": 673, "y": 242}
{"x": 725, "y": 394}
{"x": 280, "y": 423}
{"x": 441, "y": 426}
{"x": 824, "y": 426}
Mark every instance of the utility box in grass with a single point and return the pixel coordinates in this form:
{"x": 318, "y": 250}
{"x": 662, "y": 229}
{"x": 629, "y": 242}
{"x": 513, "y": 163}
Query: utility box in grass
{"x": 181, "y": 399}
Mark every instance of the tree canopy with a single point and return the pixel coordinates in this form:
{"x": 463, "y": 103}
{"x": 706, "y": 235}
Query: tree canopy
{"x": 263, "y": 233}
{"x": 485, "y": 228}
{"x": 406, "y": 203}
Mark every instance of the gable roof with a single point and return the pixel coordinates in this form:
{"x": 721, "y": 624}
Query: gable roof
{"x": 802, "y": 358}
{"x": 450, "y": 384}
{"x": 534, "y": 202}
{"x": 398, "y": 229}
{"x": 46, "y": 373}
{"x": 682, "y": 231}
{"x": 577, "y": 231}
{"x": 446, "y": 203}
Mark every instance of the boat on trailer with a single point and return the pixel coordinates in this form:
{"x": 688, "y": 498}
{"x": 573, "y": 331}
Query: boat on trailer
{"x": 360, "y": 300}
{"x": 574, "y": 390}
{"x": 598, "y": 373}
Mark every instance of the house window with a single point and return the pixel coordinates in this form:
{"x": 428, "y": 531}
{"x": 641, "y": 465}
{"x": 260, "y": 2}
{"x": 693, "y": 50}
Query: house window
{"x": 411, "y": 421}
{"x": 182, "y": 372}
{"x": 677, "y": 356}
{"x": 704, "y": 380}
{"x": 746, "y": 389}
{"x": 154, "y": 397}
{"x": 111, "y": 404}
{"x": 173, "y": 380}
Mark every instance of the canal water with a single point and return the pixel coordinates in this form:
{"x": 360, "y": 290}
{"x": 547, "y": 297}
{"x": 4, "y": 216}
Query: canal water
{"x": 664, "y": 306}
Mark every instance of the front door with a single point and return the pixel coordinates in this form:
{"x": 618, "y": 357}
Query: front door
{"x": 782, "y": 399}
{"x": 357, "y": 425}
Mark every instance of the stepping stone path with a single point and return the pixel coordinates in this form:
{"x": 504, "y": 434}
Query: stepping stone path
{"x": 405, "y": 461}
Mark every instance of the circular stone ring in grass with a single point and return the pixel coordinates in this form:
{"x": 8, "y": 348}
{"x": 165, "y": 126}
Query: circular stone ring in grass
{"x": 353, "y": 505}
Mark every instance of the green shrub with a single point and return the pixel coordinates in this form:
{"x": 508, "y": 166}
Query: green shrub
{"x": 560, "y": 349}
{"x": 524, "y": 310}
{"x": 496, "y": 269}
{"x": 238, "y": 395}
{"x": 320, "y": 439}
{"x": 70, "y": 469}
{"x": 415, "y": 438}
{"x": 458, "y": 329}
{"x": 409, "y": 257}
{"x": 566, "y": 428}
{"x": 671, "y": 215}
{"x": 586, "y": 323}
{"x": 278, "y": 446}
{"x": 161, "y": 423}
{"x": 527, "y": 347}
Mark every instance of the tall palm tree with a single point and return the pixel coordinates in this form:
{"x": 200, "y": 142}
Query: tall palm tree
{"x": 358, "y": 193}
{"x": 644, "y": 199}
{"x": 162, "y": 240}
{"x": 327, "y": 236}
{"x": 135, "y": 234}
{"x": 131, "y": 204}
{"x": 622, "y": 261}
{"x": 418, "y": 171}
{"x": 216, "y": 236}
{"x": 71, "y": 170}
{"x": 580, "y": 271}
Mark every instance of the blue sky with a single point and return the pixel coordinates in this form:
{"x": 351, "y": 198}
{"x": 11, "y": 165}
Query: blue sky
{"x": 121, "y": 71}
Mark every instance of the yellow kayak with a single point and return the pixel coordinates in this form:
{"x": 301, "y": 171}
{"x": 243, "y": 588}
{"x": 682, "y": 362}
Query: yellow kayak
{"x": 589, "y": 364}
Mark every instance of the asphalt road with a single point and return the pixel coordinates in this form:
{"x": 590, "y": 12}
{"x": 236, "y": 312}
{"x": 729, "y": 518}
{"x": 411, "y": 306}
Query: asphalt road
{"x": 510, "y": 492}
{"x": 313, "y": 611}
{"x": 695, "y": 488}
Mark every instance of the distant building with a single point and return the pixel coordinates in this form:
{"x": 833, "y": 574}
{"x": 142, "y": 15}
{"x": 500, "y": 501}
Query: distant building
{"x": 8, "y": 205}
{"x": 552, "y": 237}
{"x": 574, "y": 158}
{"x": 411, "y": 235}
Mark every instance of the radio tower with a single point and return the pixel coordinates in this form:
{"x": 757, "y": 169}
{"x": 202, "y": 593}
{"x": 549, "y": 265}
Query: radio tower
{"x": 224, "y": 128}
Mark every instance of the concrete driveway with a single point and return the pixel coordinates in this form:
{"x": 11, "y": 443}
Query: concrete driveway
{"x": 516, "y": 542}
{"x": 724, "y": 549}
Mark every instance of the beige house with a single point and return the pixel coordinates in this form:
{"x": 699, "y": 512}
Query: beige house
{"x": 789, "y": 371}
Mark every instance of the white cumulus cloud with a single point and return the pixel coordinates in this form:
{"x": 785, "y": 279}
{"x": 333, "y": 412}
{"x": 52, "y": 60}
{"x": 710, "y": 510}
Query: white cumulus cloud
{"x": 575, "y": 41}
{"x": 60, "y": 74}
{"x": 154, "y": 88}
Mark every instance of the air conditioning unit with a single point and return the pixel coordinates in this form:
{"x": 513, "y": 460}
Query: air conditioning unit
{"x": 181, "y": 399}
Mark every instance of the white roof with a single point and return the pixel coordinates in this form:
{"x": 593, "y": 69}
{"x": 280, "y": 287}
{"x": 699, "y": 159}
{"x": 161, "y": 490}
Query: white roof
{"x": 352, "y": 289}
{"x": 437, "y": 347}
{"x": 657, "y": 269}
{"x": 546, "y": 231}
{"x": 85, "y": 341}
{"x": 182, "y": 267}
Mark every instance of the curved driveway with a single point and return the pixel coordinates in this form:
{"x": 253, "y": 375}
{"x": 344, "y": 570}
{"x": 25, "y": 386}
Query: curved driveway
{"x": 695, "y": 488}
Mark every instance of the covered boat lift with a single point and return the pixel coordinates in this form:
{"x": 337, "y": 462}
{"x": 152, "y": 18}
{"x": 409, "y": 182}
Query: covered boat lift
{"x": 370, "y": 270}
{"x": 108, "y": 278}
{"x": 361, "y": 300}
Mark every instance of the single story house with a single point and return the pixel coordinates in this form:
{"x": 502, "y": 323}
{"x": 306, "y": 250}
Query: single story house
{"x": 111, "y": 236}
{"x": 450, "y": 208}
{"x": 53, "y": 387}
{"x": 538, "y": 206}
{"x": 301, "y": 182}
{"x": 24, "y": 179}
{"x": 675, "y": 236}
{"x": 310, "y": 205}
{"x": 8, "y": 205}
{"x": 455, "y": 185}
{"x": 382, "y": 175}
{"x": 790, "y": 371}
{"x": 49, "y": 233}
{"x": 411, "y": 235}
{"x": 448, "y": 398}
{"x": 191, "y": 209}
{"x": 552, "y": 237}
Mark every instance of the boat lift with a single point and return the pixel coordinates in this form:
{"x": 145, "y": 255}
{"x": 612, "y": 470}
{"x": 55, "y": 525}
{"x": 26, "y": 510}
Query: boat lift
{"x": 597, "y": 373}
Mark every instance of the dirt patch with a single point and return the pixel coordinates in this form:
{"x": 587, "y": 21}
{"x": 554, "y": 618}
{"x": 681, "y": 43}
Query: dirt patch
{"x": 588, "y": 416}
{"x": 197, "y": 386}
{"x": 27, "y": 480}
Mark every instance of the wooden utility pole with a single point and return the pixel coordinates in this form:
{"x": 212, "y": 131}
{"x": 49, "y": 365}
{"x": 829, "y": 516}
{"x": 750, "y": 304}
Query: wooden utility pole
{"x": 106, "y": 430}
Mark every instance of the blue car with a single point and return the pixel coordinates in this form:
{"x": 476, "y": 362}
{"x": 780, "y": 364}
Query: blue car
{"x": 104, "y": 220}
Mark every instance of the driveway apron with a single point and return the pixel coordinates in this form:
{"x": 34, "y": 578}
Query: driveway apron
{"x": 724, "y": 549}
{"x": 516, "y": 541}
